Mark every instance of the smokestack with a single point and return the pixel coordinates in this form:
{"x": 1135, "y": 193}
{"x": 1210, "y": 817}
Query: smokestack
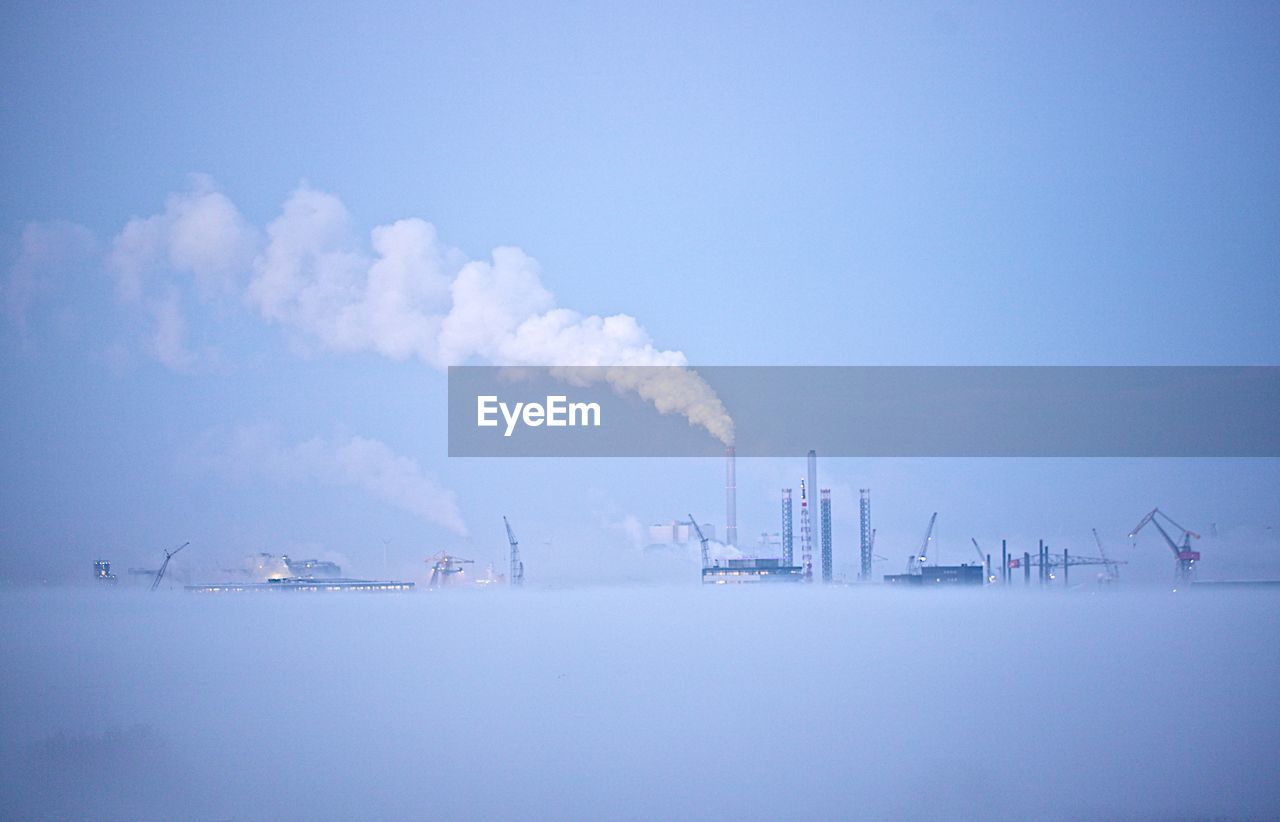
{"x": 813, "y": 473}
{"x": 730, "y": 496}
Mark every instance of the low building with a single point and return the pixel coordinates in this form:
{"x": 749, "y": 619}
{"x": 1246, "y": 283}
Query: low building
{"x": 102, "y": 572}
{"x": 679, "y": 532}
{"x": 903, "y": 579}
{"x": 734, "y": 571}
{"x": 312, "y": 568}
{"x": 940, "y": 575}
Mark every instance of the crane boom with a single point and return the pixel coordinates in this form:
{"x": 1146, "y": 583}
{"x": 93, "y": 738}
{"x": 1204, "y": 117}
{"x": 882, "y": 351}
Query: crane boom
{"x": 874, "y": 556}
{"x": 517, "y": 566}
{"x": 917, "y": 559}
{"x": 1186, "y": 535}
{"x": 706, "y": 557}
{"x": 1150, "y": 518}
{"x": 168, "y": 555}
{"x": 982, "y": 560}
{"x": 1184, "y": 557}
{"x": 1112, "y": 570}
{"x": 1055, "y": 561}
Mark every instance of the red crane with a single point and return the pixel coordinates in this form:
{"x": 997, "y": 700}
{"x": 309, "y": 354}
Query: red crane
{"x": 1185, "y": 558}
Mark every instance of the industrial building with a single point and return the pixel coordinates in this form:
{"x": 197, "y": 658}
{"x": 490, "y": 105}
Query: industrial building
{"x": 731, "y": 571}
{"x": 811, "y": 527}
{"x": 940, "y": 575}
{"x": 678, "y": 532}
{"x": 768, "y": 545}
{"x": 310, "y": 568}
{"x": 102, "y": 572}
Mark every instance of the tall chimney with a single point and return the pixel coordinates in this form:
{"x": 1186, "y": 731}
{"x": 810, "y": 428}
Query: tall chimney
{"x": 730, "y": 496}
{"x": 813, "y": 477}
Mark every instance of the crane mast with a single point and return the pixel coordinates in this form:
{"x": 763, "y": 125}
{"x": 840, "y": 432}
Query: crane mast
{"x": 517, "y": 566}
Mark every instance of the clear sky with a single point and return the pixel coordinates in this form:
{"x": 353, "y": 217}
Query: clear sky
{"x": 226, "y": 313}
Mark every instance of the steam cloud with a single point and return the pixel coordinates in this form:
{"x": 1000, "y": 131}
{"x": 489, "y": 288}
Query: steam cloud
{"x": 45, "y": 250}
{"x": 365, "y": 463}
{"x": 407, "y": 295}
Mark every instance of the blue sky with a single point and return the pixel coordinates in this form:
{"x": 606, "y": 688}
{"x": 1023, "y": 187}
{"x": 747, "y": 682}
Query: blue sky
{"x": 754, "y": 184}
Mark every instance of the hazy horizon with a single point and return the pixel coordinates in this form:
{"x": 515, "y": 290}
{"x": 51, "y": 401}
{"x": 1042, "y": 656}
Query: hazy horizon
{"x": 241, "y": 246}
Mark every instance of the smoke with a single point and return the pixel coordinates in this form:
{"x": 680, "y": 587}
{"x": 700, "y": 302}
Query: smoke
{"x": 169, "y": 341}
{"x": 199, "y": 232}
{"x": 360, "y": 462}
{"x": 720, "y": 550}
{"x": 44, "y": 251}
{"x": 404, "y": 294}
{"x": 673, "y": 389}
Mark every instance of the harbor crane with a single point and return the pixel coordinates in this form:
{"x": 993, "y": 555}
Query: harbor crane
{"x": 1184, "y": 557}
{"x": 915, "y": 565}
{"x": 982, "y": 560}
{"x": 168, "y": 555}
{"x": 871, "y": 545}
{"x": 706, "y": 556}
{"x": 1112, "y": 568}
{"x": 443, "y": 566}
{"x": 517, "y": 567}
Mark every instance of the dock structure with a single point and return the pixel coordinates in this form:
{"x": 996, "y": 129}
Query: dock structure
{"x": 299, "y": 585}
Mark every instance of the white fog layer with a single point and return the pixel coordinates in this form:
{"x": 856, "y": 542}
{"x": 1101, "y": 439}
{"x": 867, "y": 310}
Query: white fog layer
{"x": 643, "y": 703}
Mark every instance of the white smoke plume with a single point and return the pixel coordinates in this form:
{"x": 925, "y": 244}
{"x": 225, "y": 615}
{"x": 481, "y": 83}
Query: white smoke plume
{"x": 45, "y": 251}
{"x": 405, "y": 295}
{"x": 169, "y": 341}
{"x": 719, "y": 550}
{"x": 200, "y": 232}
{"x": 360, "y": 462}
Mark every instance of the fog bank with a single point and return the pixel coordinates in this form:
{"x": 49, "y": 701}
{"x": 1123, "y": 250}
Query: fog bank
{"x": 640, "y": 704}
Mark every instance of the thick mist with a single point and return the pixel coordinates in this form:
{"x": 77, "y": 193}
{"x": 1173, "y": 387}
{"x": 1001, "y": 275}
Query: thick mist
{"x": 640, "y": 703}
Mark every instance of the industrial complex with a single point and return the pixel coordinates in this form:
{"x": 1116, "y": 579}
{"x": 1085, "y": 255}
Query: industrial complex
{"x": 772, "y": 559}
